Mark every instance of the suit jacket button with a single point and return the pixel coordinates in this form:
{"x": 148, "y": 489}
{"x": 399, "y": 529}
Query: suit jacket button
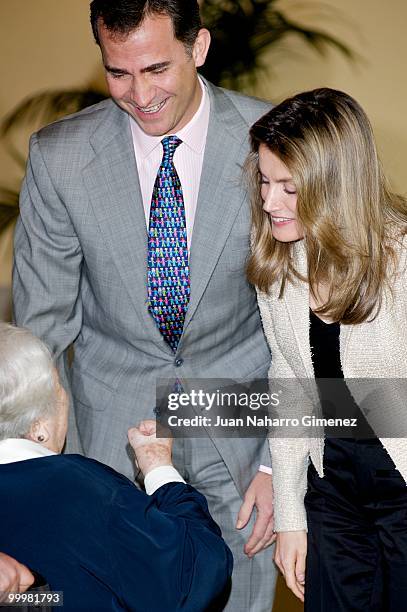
{"x": 178, "y": 363}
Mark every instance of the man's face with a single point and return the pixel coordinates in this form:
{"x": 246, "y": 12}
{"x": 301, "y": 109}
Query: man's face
{"x": 152, "y": 76}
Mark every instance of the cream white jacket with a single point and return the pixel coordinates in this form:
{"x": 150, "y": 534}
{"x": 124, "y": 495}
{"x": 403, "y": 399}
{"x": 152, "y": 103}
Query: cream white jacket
{"x": 376, "y": 349}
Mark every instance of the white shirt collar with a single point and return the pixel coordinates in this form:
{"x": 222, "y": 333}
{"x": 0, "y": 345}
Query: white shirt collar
{"x": 20, "y": 449}
{"x": 193, "y": 134}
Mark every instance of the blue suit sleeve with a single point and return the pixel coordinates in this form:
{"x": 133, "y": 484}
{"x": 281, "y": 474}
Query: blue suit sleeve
{"x": 166, "y": 550}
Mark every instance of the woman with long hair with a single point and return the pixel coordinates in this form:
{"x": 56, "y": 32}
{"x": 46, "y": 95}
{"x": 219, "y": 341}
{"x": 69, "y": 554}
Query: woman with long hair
{"x": 329, "y": 262}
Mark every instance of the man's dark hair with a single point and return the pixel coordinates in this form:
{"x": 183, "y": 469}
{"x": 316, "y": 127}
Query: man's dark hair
{"x": 123, "y": 16}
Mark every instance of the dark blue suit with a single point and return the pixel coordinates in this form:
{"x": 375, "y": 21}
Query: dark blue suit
{"x": 107, "y": 545}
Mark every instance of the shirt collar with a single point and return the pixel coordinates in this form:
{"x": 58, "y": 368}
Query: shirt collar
{"x": 193, "y": 134}
{"x": 20, "y": 449}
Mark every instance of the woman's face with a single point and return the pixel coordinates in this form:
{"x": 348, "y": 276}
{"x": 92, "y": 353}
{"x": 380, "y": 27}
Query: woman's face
{"x": 279, "y": 196}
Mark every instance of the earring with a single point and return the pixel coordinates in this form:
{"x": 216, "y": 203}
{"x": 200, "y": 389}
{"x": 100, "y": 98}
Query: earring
{"x": 40, "y": 438}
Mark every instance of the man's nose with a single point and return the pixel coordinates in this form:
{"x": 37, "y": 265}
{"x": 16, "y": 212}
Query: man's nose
{"x": 142, "y": 93}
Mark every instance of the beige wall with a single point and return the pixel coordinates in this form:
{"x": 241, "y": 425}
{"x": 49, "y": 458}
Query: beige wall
{"x": 375, "y": 30}
{"x": 44, "y": 44}
{"x": 47, "y": 44}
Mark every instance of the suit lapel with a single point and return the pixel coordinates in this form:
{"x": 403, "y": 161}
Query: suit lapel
{"x": 220, "y": 194}
{"x": 296, "y": 299}
{"x": 344, "y": 342}
{"x": 114, "y": 190}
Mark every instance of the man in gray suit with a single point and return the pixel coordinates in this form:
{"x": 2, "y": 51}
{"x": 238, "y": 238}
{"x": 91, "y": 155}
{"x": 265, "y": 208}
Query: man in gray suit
{"x": 82, "y": 262}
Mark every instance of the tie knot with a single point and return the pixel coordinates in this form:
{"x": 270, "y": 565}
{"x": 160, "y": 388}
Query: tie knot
{"x": 170, "y": 143}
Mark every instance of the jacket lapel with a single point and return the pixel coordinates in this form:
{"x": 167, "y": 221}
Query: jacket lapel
{"x": 114, "y": 191}
{"x": 296, "y": 299}
{"x": 220, "y": 194}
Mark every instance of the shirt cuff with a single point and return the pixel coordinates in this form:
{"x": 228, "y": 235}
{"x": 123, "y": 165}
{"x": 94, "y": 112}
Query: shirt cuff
{"x": 160, "y": 476}
{"x": 266, "y": 469}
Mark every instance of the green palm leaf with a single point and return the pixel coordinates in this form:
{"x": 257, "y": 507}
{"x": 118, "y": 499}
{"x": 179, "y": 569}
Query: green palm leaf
{"x": 8, "y": 208}
{"x": 242, "y": 29}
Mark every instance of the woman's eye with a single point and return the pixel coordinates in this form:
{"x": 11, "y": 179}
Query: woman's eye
{"x": 290, "y": 190}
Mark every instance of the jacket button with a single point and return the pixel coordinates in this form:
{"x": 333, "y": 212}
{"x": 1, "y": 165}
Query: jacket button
{"x": 178, "y": 363}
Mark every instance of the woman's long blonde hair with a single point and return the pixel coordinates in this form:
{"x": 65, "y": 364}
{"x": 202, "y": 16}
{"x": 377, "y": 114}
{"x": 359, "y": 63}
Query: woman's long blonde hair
{"x": 349, "y": 217}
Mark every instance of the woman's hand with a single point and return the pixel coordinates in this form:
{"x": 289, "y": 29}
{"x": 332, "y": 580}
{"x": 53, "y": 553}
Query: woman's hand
{"x": 290, "y": 555}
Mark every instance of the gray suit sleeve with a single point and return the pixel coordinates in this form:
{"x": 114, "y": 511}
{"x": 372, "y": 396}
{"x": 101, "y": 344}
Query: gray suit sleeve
{"x": 47, "y": 263}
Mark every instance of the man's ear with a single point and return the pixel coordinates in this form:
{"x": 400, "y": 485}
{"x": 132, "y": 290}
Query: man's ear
{"x": 201, "y": 47}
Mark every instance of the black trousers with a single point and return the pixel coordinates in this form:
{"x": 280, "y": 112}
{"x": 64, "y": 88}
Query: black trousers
{"x": 357, "y": 531}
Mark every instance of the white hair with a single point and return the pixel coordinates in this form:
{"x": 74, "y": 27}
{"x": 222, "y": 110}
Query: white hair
{"x": 28, "y": 384}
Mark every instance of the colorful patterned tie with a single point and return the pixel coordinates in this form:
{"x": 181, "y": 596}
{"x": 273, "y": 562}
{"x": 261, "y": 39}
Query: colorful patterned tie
{"x": 168, "y": 269}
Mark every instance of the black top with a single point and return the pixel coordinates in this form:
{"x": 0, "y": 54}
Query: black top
{"x": 324, "y": 340}
{"x": 336, "y": 399}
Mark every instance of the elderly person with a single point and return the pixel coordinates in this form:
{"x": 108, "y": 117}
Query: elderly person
{"x": 97, "y": 538}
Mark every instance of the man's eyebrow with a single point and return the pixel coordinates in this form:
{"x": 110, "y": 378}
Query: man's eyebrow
{"x": 151, "y": 68}
{"x": 115, "y": 70}
{"x": 157, "y": 66}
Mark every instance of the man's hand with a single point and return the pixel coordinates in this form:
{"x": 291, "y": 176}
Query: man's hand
{"x": 259, "y": 495}
{"x": 290, "y": 555}
{"x": 14, "y": 577}
{"x": 150, "y": 451}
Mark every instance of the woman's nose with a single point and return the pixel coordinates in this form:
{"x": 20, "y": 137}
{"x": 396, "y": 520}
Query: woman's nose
{"x": 272, "y": 201}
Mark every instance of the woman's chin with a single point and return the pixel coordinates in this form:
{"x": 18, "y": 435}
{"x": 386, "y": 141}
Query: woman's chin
{"x": 286, "y": 234}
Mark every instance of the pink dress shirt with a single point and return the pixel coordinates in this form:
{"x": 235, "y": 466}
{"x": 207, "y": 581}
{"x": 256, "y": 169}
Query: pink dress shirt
{"x": 188, "y": 160}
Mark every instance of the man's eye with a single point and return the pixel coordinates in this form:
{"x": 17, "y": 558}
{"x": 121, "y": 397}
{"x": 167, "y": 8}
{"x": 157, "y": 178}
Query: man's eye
{"x": 159, "y": 70}
{"x": 116, "y": 75}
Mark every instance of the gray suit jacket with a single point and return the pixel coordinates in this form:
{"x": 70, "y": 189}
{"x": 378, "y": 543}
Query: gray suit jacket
{"x": 80, "y": 274}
